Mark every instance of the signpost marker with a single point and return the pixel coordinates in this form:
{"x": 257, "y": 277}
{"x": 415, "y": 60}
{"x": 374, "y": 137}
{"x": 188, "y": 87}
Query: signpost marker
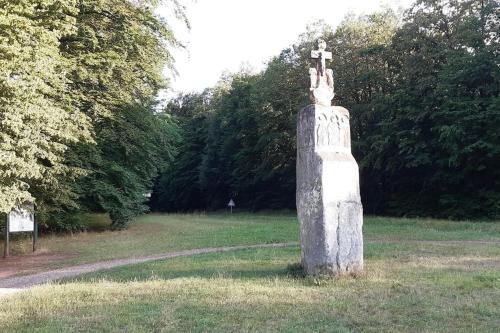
{"x": 6, "y": 239}
{"x": 35, "y": 234}
{"x": 231, "y": 205}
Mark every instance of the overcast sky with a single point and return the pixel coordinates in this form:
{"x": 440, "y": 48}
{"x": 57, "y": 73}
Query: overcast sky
{"x": 228, "y": 33}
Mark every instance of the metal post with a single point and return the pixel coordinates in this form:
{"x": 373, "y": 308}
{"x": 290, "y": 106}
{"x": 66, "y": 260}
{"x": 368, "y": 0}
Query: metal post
{"x": 35, "y": 233}
{"x": 6, "y": 239}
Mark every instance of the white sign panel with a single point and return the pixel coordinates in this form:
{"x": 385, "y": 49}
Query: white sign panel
{"x": 22, "y": 219}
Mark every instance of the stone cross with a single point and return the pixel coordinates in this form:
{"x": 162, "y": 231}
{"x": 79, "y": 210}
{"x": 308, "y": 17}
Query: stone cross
{"x": 321, "y": 90}
{"x": 329, "y": 206}
{"x": 321, "y": 56}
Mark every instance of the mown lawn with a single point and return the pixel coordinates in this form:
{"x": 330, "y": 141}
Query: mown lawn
{"x": 155, "y": 234}
{"x": 421, "y": 276}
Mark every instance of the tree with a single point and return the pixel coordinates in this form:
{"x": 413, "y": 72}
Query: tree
{"x": 73, "y": 72}
{"x": 37, "y": 120}
{"x": 179, "y": 187}
{"x": 132, "y": 149}
{"x": 422, "y": 91}
{"x": 443, "y": 112}
{"x": 118, "y": 54}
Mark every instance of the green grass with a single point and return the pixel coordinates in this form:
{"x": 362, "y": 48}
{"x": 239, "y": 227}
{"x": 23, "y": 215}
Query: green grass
{"x": 420, "y": 276}
{"x": 429, "y": 229}
{"x": 255, "y": 290}
{"x": 155, "y": 234}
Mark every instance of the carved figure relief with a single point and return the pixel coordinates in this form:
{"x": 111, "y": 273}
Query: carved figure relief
{"x": 332, "y": 130}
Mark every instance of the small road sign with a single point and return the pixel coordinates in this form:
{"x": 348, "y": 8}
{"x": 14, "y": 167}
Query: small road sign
{"x": 231, "y": 205}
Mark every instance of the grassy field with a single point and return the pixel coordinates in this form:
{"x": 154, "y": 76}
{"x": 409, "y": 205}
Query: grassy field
{"x": 155, "y": 234}
{"x": 421, "y": 276}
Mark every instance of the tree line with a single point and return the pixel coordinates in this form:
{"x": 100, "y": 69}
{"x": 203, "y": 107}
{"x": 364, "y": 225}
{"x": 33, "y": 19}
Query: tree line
{"x": 80, "y": 130}
{"x": 78, "y": 127}
{"x": 422, "y": 89}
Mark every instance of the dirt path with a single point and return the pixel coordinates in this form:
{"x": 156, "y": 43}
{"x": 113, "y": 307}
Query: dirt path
{"x": 13, "y": 284}
{"x": 29, "y": 263}
{"x": 17, "y": 283}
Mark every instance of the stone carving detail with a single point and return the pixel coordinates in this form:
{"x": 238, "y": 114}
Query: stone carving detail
{"x": 332, "y": 129}
{"x": 322, "y": 87}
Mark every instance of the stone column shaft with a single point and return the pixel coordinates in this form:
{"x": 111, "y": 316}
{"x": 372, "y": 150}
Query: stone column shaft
{"x": 328, "y": 200}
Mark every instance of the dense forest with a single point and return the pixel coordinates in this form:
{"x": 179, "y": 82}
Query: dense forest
{"x": 80, "y": 130}
{"x": 423, "y": 92}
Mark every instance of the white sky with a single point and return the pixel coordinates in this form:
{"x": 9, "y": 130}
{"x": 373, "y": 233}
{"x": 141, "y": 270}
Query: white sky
{"x": 228, "y": 33}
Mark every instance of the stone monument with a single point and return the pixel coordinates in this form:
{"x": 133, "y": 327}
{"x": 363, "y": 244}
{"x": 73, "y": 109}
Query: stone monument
{"x": 328, "y": 200}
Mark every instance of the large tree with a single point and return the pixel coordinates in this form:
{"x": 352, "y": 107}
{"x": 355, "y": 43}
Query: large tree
{"x": 37, "y": 120}
{"x": 118, "y": 54}
{"x": 179, "y": 186}
{"x": 75, "y": 75}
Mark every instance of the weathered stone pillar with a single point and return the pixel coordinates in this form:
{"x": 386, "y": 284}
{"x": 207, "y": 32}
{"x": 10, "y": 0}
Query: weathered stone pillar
{"x": 328, "y": 200}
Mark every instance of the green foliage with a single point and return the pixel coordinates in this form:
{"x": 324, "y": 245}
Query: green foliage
{"x": 78, "y": 130}
{"x": 118, "y": 53}
{"x": 130, "y": 152}
{"x": 438, "y": 145}
{"x": 423, "y": 93}
{"x": 190, "y": 112}
{"x": 236, "y": 143}
{"x": 37, "y": 121}
{"x": 77, "y": 127}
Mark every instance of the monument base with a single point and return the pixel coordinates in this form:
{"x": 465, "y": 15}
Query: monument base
{"x": 328, "y": 200}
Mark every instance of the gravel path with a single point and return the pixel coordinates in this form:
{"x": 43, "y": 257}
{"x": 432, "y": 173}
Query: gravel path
{"x": 14, "y": 284}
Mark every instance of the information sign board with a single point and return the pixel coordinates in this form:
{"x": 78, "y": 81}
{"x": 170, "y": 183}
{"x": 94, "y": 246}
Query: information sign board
{"x": 22, "y": 219}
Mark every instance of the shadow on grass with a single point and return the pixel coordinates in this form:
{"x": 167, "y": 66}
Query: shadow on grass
{"x": 241, "y": 264}
{"x": 147, "y": 274}
{"x": 248, "y": 265}
{"x": 292, "y": 272}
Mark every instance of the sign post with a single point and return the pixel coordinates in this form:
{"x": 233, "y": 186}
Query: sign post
{"x": 35, "y": 233}
{"x": 6, "y": 238}
{"x": 231, "y": 205}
